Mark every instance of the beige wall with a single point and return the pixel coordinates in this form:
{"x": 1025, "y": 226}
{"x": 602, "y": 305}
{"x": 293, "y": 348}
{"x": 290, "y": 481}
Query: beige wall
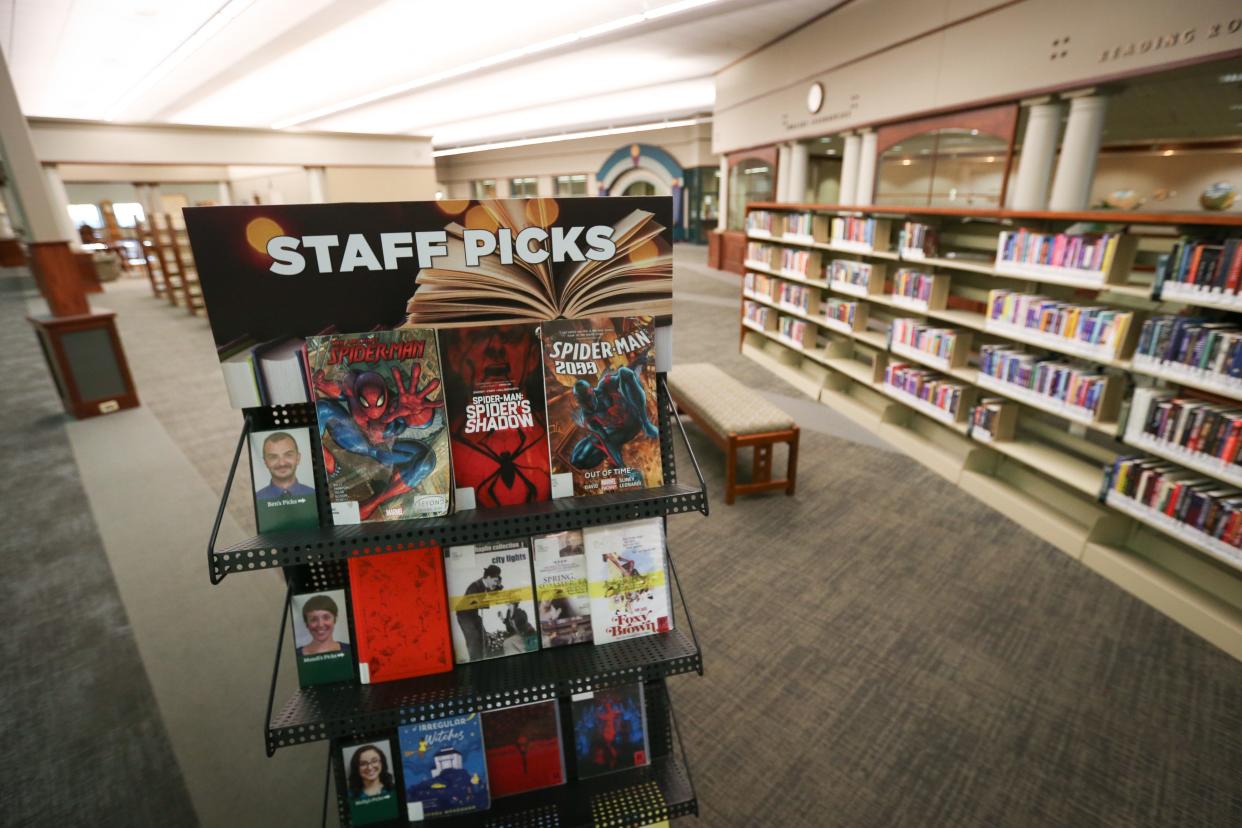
{"x": 380, "y": 184}
{"x": 958, "y": 52}
{"x": 690, "y": 145}
{"x": 286, "y": 187}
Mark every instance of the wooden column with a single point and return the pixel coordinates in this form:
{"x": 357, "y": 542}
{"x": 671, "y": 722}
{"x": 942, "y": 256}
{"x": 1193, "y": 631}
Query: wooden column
{"x": 59, "y": 278}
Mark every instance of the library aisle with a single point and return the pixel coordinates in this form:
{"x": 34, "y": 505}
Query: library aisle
{"x": 851, "y": 669}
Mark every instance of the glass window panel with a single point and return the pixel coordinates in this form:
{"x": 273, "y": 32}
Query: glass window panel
{"x": 750, "y": 180}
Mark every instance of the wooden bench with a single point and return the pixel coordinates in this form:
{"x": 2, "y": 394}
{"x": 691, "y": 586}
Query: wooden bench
{"x": 736, "y": 417}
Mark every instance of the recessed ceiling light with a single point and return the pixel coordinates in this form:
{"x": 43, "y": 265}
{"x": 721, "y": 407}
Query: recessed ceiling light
{"x": 991, "y": 159}
{"x": 974, "y": 132}
{"x": 1167, "y": 152}
{"x": 825, "y": 140}
{"x": 832, "y": 152}
{"x": 1231, "y": 77}
{"x": 905, "y": 162}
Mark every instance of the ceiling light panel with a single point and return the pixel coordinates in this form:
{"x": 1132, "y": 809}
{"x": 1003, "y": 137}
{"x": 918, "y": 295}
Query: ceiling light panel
{"x": 674, "y": 99}
{"x": 73, "y": 60}
{"x": 388, "y": 47}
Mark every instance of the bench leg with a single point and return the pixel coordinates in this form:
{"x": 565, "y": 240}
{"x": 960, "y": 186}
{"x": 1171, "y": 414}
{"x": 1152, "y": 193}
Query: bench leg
{"x": 792, "y": 472}
{"x": 731, "y": 470}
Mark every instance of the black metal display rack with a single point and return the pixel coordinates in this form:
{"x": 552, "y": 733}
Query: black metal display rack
{"x": 316, "y": 559}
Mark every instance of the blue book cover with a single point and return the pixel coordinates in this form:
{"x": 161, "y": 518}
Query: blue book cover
{"x": 445, "y": 767}
{"x": 610, "y": 730}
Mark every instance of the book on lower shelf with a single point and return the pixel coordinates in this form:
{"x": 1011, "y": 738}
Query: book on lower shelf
{"x": 757, "y": 316}
{"x": 1200, "y": 434}
{"x": 843, "y": 316}
{"x": 1205, "y": 513}
{"x": 763, "y": 222}
{"x": 793, "y": 331}
{"x": 757, "y": 285}
{"x": 444, "y": 767}
{"x": 947, "y": 346}
{"x": 1192, "y": 349}
{"x": 797, "y": 298}
{"x": 805, "y": 226}
{"x": 920, "y": 291}
{"x": 758, "y": 253}
{"x": 1055, "y": 386}
{"x": 948, "y": 399}
{"x": 1086, "y": 330}
{"x": 918, "y": 241}
{"x": 805, "y": 264}
{"x": 857, "y": 278}
{"x": 993, "y": 420}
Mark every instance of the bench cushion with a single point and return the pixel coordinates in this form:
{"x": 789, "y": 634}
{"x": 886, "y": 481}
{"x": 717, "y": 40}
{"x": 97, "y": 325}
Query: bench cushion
{"x": 724, "y": 403}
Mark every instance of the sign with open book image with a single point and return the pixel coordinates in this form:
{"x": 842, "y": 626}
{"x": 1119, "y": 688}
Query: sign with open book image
{"x": 273, "y": 275}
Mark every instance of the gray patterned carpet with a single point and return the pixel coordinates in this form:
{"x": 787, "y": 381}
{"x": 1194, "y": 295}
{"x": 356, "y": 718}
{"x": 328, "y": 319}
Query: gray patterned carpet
{"x": 82, "y": 733}
{"x": 880, "y": 650}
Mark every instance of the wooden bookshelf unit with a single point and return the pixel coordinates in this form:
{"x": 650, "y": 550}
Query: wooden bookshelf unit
{"x": 1046, "y": 467}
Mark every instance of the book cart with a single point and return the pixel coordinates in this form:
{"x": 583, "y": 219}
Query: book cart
{"x": 1048, "y": 466}
{"x": 316, "y": 559}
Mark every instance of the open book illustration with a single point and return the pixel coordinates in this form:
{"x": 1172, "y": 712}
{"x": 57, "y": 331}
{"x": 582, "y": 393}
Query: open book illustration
{"x": 637, "y": 279}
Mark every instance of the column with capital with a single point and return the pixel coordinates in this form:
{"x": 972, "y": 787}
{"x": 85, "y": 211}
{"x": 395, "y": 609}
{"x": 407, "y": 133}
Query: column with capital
{"x": 797, "y": 172}
{"x": 1071, "y": 186}
{"x": 1039, "y": 149}
{"x": 849, "y": 168}
{"x": 864, "y": 187}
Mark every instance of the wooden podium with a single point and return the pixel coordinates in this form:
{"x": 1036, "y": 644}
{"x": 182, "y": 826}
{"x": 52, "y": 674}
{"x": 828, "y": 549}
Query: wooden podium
{"x": 85, "y": 357}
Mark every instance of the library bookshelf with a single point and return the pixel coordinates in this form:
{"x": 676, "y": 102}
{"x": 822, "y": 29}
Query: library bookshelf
{"x": 1049, "y": 471}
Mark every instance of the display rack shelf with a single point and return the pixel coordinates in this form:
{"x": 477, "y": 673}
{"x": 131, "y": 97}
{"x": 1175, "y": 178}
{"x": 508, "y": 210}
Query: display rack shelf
{"x": 347, "y": 710}
{"x": 1196, "y": 461}
{"x": 1045, "y": 403}
{"x": 1189, "y": 377}
{"x": 1218, "y": 549}
{"x": 1193, "y": 295}
{"x": 337, "y": 543}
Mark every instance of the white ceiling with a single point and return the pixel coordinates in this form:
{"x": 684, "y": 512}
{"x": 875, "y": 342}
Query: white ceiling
{"x": 463, "y": 73}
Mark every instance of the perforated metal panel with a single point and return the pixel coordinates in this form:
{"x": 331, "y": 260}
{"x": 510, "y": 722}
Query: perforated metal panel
{"x": 641, "y": 796}
{"x": 348, "y": 710}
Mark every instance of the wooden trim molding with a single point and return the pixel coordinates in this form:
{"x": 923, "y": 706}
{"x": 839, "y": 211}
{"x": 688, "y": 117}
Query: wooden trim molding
{"x": 1099, "y": 216}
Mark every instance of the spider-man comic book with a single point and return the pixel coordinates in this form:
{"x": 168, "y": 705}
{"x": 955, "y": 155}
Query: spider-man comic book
{"x": 603, "y": 421}
{"x": 493, "y": 383}
{"x": 381, "y": 424}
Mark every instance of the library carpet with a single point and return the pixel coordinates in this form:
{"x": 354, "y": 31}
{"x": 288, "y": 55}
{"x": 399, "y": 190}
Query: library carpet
{"x": 880, "y": 649}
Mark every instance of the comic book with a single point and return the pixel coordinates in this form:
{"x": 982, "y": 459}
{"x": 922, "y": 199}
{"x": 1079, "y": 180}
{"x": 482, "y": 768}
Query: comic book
{"x": 523, "y": 748}
{"x": 491, "y": 600}
{"x": 603, "y": 420}
{"x": 610, "y": 730}
{"x": 381, "y": 423}
{"x": 400, "y": 615}
{"x": 445, "y": 768}
{"x": 493, "y": 388}
{"x": 561, "y": 588}
{"x": 626, "y": 571}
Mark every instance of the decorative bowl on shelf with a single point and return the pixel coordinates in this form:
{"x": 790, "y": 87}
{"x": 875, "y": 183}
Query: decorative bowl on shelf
{"x": 1123, "y": 199}
{"x": 1218, "y": 196}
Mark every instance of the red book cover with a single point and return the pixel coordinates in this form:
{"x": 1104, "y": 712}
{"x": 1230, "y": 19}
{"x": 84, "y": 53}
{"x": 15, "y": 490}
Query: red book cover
{"x": 400, "y": 615}
{"x": 1193, "y": 270}
{"x": 1235, "y": 266}
{"x": 493, "y": 378}
{"x": 523, "y": 748}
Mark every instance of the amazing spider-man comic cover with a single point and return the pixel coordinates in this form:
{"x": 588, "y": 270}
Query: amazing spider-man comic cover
{"x": 381, "y": 422}
{"x": 493, "y": 384}
{"x": 600, "y": 379}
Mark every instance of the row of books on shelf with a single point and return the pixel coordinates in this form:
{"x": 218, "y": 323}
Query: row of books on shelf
{"x": 916, "y": 285}
{"x": 918, "y": 239}
{"x": 798, "y": 261}
{"x": 1058, "y": 381}
{"x": 993, "y": 419}
{"x": 925, "y": 385}
{"x": 1208, "y": 508}
{"x": 793, "y": 329}
{"x": 1203, "y": 266}
{"x": 847, "y": 272}
{"x": 757, "y": 284}
{"x": 860, "y": 230}
{"x": 759, "y": 221}
{"x": 1193, "y": 346}
{"x": 413, "y": 421}
{"x": 937, "y": 342}
{"x": 420, "y": 611}
{"x": 755, "y": 315}
{"x": 457, "y": 765}
{"x": 799, "y": 224}
{"x": 794, "y": 296}
{"x": 1085, "y": 325}
{"x": 1194, "y": 427}
{"x": 842, "y": 311}
{"x": 759, "y": 252}
{"x": 1086, "y": 252}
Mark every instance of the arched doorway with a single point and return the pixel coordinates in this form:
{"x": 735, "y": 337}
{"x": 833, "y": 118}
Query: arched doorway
{"x": 640, "y": 188}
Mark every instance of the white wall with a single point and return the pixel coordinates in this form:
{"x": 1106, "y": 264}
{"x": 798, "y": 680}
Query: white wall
{"x": 380, "y": 183}
{"x": 287, "y": 186}
{"x": 952, "y": 53}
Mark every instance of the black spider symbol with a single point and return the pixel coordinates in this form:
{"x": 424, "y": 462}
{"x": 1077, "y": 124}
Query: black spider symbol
{"x": 508, "y": 470}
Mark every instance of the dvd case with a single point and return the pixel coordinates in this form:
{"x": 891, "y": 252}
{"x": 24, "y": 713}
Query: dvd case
{"x": 491, "y": 600}
{"x": 610, "y": 730}
{"x": 628, "y": 582}
{"x": 523, "y": 748}
{"x": 561, "y": 589}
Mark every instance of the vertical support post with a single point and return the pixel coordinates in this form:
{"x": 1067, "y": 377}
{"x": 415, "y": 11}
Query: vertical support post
{"x": 849, "y": 168}
{"x": 1039, "y": 148}
{"x": 1071, "y": 186}
{"x": 797, "y": 172}
{"x": 864, "y": 185}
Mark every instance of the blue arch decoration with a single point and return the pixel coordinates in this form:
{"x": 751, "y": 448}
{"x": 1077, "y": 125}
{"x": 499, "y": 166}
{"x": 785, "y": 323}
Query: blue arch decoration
{"x": 652, "y": 158}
